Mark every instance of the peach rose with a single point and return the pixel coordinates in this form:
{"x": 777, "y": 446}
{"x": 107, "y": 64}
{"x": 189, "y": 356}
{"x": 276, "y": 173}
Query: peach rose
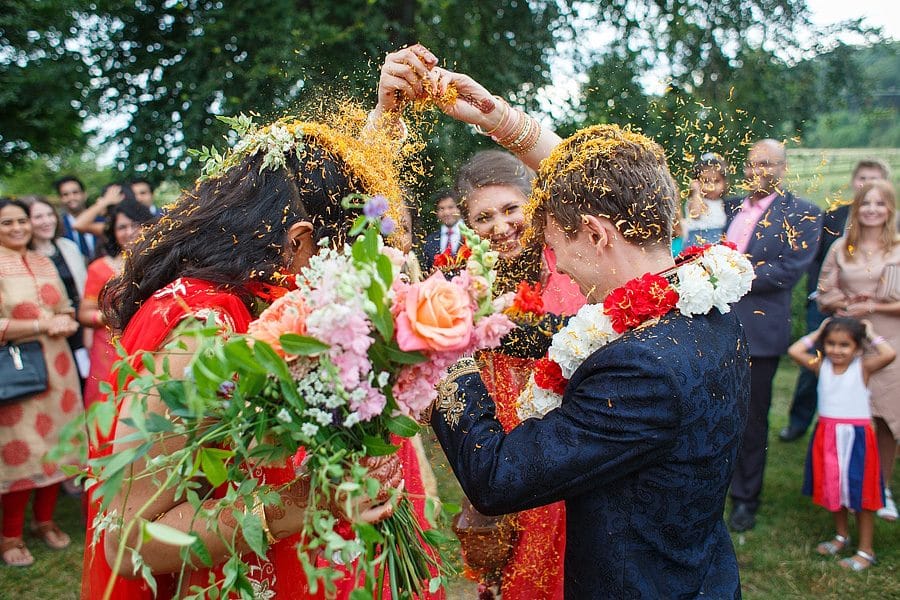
{"x": 285, "y": 315}
{"x": 437, "y": 315}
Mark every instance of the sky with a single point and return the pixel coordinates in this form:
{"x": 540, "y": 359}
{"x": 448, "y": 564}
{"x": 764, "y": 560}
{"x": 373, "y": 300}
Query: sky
{"x": 876, "y": 12}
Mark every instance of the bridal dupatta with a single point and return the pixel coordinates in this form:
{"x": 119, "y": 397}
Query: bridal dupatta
{"x": 281, "y": 577}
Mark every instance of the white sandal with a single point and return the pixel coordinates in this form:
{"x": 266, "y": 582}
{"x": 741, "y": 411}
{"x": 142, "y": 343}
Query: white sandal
{"x": 834, "y": 546}
{"x": 855, "y": 565}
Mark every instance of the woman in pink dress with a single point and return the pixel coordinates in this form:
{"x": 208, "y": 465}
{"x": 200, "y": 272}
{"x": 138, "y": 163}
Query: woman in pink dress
{"x": 123, "y": 224}
{"x": 861, "y": 279}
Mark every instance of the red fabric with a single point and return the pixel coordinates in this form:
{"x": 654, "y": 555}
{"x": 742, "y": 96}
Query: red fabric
{"x": 15, "y": 503}
{"x": 535, "y": 569}
{"x": 103, "y": 353}
{"x": 282, "y": 573}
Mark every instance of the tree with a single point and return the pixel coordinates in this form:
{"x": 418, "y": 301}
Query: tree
{"x": 43, "y": 80}
{"x": 171, "y": 67}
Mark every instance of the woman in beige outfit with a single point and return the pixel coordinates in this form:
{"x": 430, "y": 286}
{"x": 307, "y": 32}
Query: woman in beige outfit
{"x": 861, "y": 279}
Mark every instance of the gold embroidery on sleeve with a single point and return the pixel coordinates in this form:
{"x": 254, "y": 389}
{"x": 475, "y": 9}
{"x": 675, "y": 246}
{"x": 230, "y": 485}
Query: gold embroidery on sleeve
{"x": 449, "y": 402}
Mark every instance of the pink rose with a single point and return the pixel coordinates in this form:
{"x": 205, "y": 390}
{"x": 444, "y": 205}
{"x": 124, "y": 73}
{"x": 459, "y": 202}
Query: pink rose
{"x": 285, "y": 315}
{"x": 436, "y": 315}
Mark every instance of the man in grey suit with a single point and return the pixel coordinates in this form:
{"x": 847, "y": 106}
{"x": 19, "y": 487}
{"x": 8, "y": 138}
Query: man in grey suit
{"x": 780, "y": 233}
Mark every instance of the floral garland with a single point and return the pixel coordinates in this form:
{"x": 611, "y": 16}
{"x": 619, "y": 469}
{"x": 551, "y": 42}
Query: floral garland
{"x": 705, "y": 277}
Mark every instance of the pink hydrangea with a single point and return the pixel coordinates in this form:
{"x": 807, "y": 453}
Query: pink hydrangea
{"x": 371, "y": 405}
{"x": 489, "y": 330}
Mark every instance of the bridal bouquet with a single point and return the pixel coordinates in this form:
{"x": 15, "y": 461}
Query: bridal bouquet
{"x": 324, "y": 377}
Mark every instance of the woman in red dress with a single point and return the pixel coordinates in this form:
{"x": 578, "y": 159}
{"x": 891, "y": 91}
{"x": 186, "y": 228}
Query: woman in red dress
{"x": 123, "y": 224}
{"x": 230, "y": 236}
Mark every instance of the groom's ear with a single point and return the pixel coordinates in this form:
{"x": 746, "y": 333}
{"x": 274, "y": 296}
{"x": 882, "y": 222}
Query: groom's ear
{"x": 600, "y": 230}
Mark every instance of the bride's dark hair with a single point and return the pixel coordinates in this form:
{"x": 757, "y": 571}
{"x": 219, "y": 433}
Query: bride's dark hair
{"x": 233, "y": 229}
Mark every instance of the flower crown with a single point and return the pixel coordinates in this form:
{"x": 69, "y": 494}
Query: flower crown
{"x": 273, "y": 140}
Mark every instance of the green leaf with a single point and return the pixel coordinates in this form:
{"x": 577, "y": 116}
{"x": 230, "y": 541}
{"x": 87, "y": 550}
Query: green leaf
{"x": 402, "y": 425}
{"x": 240, "y": 355}
{"x": 199, "y": 549}
{"x": 156, "y": 423}
{"x": 368, "y": 533}
{"x": 302, "y": 345}
{"x": 252, "y": 529}
{"x": 168, "y": 535}
{"x": 396, "y": 355}
{"x": 435, "y": 537}
{"x": 434, "y": 584}
{"x": 149, "y": 363}
{"x": 104, "y": 414}
{"x": 269, "y": 359}
{"x": 385, "y": 270}
{"x": 375, "y": 446}
{"x": 361, "y": 594}
{"x": 213, "y": 465}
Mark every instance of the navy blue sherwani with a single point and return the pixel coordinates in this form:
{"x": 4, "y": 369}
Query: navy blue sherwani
{"x": 641, "y": 450}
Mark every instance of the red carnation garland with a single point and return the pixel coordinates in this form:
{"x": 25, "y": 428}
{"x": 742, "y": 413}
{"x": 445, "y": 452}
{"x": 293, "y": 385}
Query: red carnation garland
{"x": 639, "y": 300}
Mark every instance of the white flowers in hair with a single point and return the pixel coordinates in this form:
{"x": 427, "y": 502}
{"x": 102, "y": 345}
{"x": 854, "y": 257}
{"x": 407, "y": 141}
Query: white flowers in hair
{"x": 274, "y": 141}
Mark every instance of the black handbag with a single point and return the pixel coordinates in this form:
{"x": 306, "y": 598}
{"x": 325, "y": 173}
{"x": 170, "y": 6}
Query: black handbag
{"x": 23, "y": 371}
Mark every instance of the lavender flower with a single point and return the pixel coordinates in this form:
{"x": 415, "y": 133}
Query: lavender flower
{"x": 388, "y": 226}
{"x": 377, "y": 206}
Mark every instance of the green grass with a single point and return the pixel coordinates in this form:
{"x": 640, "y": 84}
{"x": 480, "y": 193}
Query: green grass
{"x": 822, "y": 175}
{"x": 777, "y": 559}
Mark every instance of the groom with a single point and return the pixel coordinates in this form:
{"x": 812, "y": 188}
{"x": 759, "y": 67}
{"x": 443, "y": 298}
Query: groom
{"x": 643, "y": 447}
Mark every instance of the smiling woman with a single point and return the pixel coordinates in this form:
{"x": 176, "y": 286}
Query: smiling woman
{"x": 33, "y": 308}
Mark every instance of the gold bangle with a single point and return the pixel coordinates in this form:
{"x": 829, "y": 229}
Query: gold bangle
{"x": 520, "y": 135}
{"x": 530, "y": 140}
{"x": 510, "y": 129}
{"x": 259, "y": 509}
{"x": 506, "y": 110}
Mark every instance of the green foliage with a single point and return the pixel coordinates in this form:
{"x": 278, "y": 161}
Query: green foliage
{"x": 44, "y": 80}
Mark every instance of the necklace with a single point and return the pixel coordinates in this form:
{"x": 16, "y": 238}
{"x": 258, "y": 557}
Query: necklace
{"x": 705, "y": 277}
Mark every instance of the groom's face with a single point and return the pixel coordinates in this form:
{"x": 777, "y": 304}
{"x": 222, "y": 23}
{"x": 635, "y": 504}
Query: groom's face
{"x": 573, "y": 255}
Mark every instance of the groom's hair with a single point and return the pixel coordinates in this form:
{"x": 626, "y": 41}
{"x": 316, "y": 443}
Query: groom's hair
{"x": 609, "y": 172}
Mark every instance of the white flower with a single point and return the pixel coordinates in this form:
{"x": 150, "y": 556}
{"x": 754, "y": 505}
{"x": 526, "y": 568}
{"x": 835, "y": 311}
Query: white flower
{"x": 535, "y": 402}
{"x": 351, "y": 420}
{"x": 587, "y": 331}
{"x": 284, "y": 416}
{"x": 695, "y": 291}
{"x": 383, "y": 378}
{"x": 729, "y": 276}
{"x": 324, "y": 418}
{"x": 309, "y": 429}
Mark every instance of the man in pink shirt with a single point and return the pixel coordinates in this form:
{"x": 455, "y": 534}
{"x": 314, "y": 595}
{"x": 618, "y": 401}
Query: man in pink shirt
{"x": 779, "y": 233}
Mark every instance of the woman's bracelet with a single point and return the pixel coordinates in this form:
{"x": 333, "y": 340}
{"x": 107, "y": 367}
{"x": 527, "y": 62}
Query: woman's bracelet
{"x": 506, "y": 110}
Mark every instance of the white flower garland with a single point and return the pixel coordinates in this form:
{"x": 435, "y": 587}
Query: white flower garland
{"x": 717, "y": 278}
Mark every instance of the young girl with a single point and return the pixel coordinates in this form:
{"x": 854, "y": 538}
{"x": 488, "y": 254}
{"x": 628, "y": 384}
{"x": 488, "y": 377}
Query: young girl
{"x": 842, "y": 467}
{"x": 705, "y": 218}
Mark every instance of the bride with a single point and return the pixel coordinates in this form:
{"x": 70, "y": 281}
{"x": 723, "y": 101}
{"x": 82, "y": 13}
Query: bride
{"x": 232, "y": 236}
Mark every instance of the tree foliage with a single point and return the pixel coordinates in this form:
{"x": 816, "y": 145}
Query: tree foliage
{"x": 43, "y": 80}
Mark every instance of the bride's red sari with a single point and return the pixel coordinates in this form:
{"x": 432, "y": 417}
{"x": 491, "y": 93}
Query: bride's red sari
{"x": 281, "y": 576}
{"x": 535, "y": 568}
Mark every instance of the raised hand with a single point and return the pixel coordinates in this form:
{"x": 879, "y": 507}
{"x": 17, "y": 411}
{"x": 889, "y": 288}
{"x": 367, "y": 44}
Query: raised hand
{"x": 404, "y": 77}
{"x": 473, "y": 103}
